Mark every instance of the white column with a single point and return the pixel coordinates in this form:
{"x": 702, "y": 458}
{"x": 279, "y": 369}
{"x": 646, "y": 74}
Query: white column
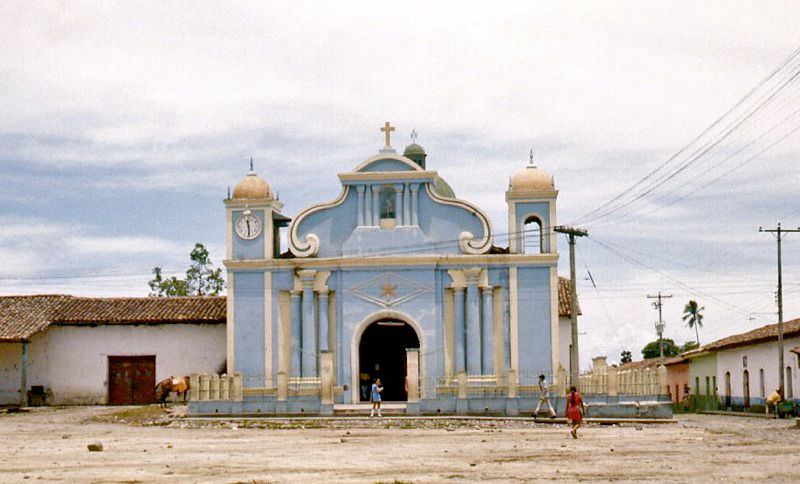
{"x": 323, "y": 320}
{"x": 414, "y": 213}
{"x": 376, "y": 205}
{"x": 487, "y": 331}
{"x": 398, "y": 203}
{"x": 367, "y": 205}
{"x": 296, "y": 332}
{"x": 458, "y": 333}
{"x": 406, "y": 205}
{"x": 309, "y": 351}
{"x": 360, "y": 192}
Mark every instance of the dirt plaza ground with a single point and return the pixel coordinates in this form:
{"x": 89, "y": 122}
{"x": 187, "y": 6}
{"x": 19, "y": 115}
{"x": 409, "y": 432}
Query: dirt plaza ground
{"x": 148, "y": 444}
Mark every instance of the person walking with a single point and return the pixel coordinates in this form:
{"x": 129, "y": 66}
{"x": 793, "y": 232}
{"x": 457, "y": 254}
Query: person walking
{"x": 575, "y": 410}
{"x": 544, "y": 398}
{"x": 375, "y": 397}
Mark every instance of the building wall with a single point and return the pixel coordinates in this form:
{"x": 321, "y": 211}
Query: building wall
{"x": 677, "y": 377}
{"x": 534, "y": 331}
{"x": 72, "y": 361}
{"x": 10, "y": 365}
{"x": 763, "y": 356}
{"x": 702, "y": 377}
{"x": 564, "y": 341}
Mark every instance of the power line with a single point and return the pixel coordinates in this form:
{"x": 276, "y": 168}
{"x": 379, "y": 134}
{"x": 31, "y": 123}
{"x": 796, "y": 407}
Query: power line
{"x": 591, "y": 215}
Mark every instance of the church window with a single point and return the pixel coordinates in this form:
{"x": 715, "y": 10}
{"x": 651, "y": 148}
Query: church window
{"x": 533, "y": 242}
{"x": 387, "y": 202}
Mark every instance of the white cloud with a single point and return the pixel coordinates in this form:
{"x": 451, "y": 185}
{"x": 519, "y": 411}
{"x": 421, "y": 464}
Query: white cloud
{"x": 101, "y": 245}
{"x": 152, "y": 98}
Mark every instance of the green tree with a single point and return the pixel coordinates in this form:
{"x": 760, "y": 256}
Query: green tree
{"x": 693, "y": 317}
{"x": 688, "y": 346}
{"x": 201, "y": 278}
{"x": 651, "y": 349}
{"x": 625, "y": 357}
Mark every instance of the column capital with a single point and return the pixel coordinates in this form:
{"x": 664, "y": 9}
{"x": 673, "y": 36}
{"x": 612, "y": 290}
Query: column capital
{"x": 487, "y": 290}
{"x": 414, "y": 187}
{"x": 398, "y": 187}
{"x": 306, "y": 277}
{"x": 360, "y": 189}
{"x": 472, "y": 275}
{"x": 295, "y": 294}
{"x": 458, "y": 289}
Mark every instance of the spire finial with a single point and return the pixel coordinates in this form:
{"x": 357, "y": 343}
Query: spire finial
{"x": 531, "y": 156}
{"x": 229, "y": 192}
{"x": 251, "y": 163}
{"x": 414, "y": 135}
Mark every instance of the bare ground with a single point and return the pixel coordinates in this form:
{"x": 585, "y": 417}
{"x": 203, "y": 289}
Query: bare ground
{"x": 147, "y": 444}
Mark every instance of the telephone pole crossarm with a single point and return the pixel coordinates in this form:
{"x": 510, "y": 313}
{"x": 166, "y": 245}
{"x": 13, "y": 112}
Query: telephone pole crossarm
{"x": 574, "y": 363}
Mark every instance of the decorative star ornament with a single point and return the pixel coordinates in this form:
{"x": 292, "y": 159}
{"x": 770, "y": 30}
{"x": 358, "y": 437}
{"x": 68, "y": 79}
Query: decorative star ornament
{"x": 389, "y": 290}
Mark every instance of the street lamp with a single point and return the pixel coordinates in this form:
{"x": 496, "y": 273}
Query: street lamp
{"x": 660, "y": 330}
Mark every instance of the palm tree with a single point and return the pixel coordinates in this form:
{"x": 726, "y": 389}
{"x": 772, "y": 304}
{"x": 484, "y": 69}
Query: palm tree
{"x": 693, "y": 317}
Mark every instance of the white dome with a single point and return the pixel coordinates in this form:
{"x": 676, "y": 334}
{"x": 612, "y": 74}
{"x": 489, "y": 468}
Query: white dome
{"x": 531, "y": 178}
{"x": 252, "y": 186}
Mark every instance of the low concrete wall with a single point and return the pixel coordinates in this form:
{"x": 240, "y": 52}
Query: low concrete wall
{"x": 524, "y": 405}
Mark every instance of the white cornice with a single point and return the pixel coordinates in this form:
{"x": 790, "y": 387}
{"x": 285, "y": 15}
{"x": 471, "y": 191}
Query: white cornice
{"x": 382, "y": 175}
{"x": 388, "y": 156}
{"x": 541, "y": 260}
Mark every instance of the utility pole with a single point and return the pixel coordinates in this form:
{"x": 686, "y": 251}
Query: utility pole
{"x": 660, "y": 325}
{"x": 780, "y": 233}
{"x": 574, "y": 364}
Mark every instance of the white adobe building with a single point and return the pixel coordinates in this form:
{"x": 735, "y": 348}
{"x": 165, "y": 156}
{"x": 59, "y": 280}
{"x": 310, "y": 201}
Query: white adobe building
{"x": 747, "y": 364}
{"x": 65, "y": 350}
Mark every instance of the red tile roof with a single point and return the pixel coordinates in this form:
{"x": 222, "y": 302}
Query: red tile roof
{"x": 23, "y": 316}
{"x": 758, "y": 335}
{"x": 563, "y": 298}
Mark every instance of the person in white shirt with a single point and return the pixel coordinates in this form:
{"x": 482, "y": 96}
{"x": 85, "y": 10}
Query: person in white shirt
{"x": 544, "y": 398}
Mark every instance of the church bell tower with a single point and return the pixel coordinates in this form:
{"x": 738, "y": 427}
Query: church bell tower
{"x": 531, "y": 198}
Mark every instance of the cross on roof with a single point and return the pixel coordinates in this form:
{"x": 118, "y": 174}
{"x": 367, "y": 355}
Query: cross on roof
{"x": 387, "y": 130}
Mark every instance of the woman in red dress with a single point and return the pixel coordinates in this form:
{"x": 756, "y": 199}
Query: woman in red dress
{"x": 575, "y": 410}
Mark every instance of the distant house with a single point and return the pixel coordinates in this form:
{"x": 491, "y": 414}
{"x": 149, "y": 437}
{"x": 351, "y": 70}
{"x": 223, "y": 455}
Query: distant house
{"x": 747, "y": 364}
{"x": 703, "y": 377}
{"x": 76, "y": 350}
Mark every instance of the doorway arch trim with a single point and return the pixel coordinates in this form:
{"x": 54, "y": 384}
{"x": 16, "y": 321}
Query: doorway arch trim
{"x": 356, "y": 339}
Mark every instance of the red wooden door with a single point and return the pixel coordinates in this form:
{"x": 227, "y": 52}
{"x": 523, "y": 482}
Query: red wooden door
{"x": 131, "y": 380}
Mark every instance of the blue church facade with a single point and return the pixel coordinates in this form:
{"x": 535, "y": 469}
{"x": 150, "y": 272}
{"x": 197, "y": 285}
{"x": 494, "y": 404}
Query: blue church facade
{"x": 397, "y": 279}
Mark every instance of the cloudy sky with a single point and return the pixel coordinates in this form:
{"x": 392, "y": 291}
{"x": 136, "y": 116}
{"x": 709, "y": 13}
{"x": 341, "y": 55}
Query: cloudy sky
{"x": 121, "y": 129}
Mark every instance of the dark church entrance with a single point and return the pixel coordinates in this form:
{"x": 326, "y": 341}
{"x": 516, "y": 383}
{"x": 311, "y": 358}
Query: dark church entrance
{"x": 382, "y": 354}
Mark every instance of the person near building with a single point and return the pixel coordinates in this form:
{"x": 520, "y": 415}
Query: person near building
{"x": 544, "y": 398}
{"x": 575, "y": 410}
{"x": 773, "y": 400}
{"x": 375, "y": 397}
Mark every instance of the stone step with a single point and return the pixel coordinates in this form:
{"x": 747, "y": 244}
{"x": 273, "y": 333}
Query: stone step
{"x": 363, "y": 409}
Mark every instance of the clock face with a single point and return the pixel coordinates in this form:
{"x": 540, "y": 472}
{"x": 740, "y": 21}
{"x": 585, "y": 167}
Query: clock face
{"x": 248, "y": 227}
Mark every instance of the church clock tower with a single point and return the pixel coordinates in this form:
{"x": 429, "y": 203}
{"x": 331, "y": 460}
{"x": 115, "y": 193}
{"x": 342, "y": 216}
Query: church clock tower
{"x": 252, "y": 235}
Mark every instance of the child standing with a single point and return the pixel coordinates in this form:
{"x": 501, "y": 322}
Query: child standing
{"x": 375, "y": 396}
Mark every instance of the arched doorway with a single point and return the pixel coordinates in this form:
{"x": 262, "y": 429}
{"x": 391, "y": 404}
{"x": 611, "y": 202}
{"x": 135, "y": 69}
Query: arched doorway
{"x": 727, "y": 389}
{"x": 746, "y": 387}
{"x": 382, "y": 354}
